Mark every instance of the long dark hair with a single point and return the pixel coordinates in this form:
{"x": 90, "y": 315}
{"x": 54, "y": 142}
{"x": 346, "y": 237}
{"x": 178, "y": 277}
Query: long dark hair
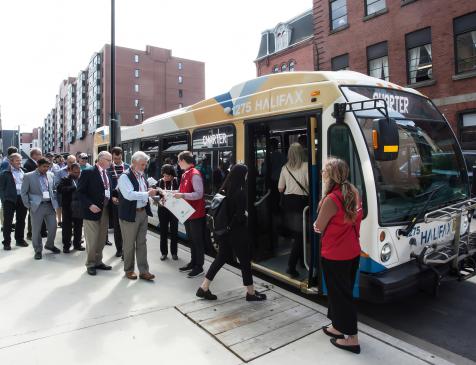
{"x": 235, "y": 180}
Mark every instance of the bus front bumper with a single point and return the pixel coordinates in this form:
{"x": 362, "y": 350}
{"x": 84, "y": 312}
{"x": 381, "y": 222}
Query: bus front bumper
{"x": 398, "y": 282}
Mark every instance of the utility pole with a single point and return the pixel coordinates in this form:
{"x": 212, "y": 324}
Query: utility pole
{"x": 114, "y": 121}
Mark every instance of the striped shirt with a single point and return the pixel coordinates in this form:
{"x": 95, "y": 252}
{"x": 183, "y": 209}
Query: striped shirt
{"x": 116, "y": 171}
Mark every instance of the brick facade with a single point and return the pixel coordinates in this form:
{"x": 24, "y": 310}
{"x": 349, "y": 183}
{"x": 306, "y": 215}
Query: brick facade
{"x": 302, "y": 54}
{"x": 452, "y": 93}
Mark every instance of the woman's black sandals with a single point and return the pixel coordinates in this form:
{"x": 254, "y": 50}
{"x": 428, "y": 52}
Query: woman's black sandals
{"x": 330, "y": 334}
{"x": 206, "y": 294}
{"x": 256, "y": 297}
{"x": 352, "y": 348}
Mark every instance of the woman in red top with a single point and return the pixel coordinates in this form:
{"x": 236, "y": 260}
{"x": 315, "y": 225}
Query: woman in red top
{"x": 340, "y": 214}
{"x": 191, "y": 189}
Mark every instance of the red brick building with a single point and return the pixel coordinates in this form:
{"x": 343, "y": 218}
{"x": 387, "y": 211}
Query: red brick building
{"x": 429, "y": 45}
{"x": 148, "y": 83}
{"x": 287, "y": 47}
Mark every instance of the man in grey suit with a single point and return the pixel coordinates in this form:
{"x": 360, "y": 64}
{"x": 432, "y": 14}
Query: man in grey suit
{"x": 38, "y": 194}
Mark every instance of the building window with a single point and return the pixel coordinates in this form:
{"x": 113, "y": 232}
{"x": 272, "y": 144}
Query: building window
{"x": 180, "y": 65}
{"x": 180, "y": 93}
{"x": 292, "y": 65}
{"x": 284, "y": 67}
{"x": 136, "y": 88}
{"x": 136, "y": 58}
{"x": 374, "y": 6}
{"x": 340, "y": 62}
{"x": 419, "y": 64}
{"x": 275, "y": 69}
{"x": 136, "y": 117}
{"x": 465, "y": 42}
{"x": 180, "y": 79}
{"x": 377, "y": 61}
{"x": 180, "y": 105}
{"x": 136, "y": 72}
{"x": 468, "y": 131}
{"x": 338, "y": 13}
{"x": 136, "y": 103}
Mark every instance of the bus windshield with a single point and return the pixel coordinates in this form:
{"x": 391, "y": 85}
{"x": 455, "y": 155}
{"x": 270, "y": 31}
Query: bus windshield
{"x": 429, "y": 157}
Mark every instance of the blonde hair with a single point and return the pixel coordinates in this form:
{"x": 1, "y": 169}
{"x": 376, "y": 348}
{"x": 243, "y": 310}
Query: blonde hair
{"x": 296, "y": 156}
{"x": 336, "y": 172}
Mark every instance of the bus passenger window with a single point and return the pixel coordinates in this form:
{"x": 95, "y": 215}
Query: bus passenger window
{"x": 171, "y": 146}
{"x": 213, "y": 150}
{"x": 151, "y": 147}
{"x": 341, "y": 145}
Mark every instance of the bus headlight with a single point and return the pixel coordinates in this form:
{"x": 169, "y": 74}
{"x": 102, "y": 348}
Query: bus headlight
{"x": 386, "y": 252}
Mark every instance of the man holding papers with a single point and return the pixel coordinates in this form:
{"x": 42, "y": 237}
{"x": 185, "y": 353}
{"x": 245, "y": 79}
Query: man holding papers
{"x": 191, "y": 189}
{"x": 134, "y": 207}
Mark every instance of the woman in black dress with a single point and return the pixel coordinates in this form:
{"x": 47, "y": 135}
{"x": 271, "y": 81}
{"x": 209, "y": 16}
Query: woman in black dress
{"x": 236, "y": 240}
{"x": 168, "y": 182}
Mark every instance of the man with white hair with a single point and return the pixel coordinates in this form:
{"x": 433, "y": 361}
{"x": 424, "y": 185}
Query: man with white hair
{"x": 134, "y": 207}
{"x": 94, "y": 192}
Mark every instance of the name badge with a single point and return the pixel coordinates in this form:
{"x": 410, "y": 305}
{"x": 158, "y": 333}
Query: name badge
{"x": 18, "y": 187}
{"x": 46, "y": 195}
{"x": 107, "y": 193}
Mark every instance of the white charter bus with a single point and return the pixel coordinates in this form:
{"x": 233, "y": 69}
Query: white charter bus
{"x": 403, "y": 157}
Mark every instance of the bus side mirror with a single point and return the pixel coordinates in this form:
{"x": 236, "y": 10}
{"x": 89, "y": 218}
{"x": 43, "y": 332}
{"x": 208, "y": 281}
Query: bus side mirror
{"x": 385, "y": 139}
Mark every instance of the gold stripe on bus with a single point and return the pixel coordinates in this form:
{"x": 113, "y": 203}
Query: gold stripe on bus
{"x": 390, "y": 148}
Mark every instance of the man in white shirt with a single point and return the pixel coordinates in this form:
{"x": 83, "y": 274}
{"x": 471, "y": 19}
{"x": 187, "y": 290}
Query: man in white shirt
{"x": 134, "y": 208}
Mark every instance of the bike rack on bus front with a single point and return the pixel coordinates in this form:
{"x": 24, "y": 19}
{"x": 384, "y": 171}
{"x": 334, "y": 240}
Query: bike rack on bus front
{"x": 459, "y": 248}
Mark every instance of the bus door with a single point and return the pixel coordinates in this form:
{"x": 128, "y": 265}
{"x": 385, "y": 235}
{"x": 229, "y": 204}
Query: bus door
{"x": 272, "y": 238}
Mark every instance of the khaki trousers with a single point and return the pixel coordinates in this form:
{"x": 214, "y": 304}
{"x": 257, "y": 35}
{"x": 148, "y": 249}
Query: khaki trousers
{"x": 95, "y": 233}
{"x": 134, "y": 235}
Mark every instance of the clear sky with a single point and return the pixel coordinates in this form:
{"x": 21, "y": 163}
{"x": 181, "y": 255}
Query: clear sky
{"x": 44, "y": 41}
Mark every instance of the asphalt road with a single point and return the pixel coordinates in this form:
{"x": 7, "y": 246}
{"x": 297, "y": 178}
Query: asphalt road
{"x": 444, "y": 325}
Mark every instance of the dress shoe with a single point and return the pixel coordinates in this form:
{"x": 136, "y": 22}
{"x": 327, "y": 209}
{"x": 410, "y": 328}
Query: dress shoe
{"x": 22, "y": 243}
{"x": 147, "y": 276}
{"x": 7, "y": 247}
{"x": 205, "y": 294}
{"x": 196, "y": 272}
{"x": 53, "y": 249}
{"x": 79, "y": 248}
{"x": 163, "y": 257}
{"x": 108, "y": 243}
{"x": 118, "y": 253}
{"x": 103, "y": 267}
{"x": 38, "y": 256}
{"x": 256, "y": 297}
{"x": 330, "y": 334}
{"x": 186, "y": 268}
{"x": 66, "y": 249}
{"x": 91, "y": 271}
{"x": 352, "y": 348}
{"x": 131, "y": 275}
{"x": 174, "y": 257}
{"x": 60, "y": 224}
{"x": 28, "y": 236}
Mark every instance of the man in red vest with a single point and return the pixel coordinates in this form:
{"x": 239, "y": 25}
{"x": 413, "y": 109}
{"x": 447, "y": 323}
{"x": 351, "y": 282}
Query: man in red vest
{"x": 191, "y": 189}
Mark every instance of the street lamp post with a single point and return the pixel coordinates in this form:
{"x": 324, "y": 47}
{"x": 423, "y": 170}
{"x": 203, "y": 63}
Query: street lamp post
{"x": 114, "y": 121}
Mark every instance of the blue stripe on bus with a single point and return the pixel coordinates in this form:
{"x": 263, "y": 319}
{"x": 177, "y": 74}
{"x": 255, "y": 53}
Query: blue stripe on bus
{"x": 225, "y": 101}
{"x": 370, "y": 266}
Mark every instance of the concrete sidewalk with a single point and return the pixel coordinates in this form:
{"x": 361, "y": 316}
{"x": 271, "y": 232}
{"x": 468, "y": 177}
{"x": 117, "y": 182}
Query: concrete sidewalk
{"x": 52, "y": 312}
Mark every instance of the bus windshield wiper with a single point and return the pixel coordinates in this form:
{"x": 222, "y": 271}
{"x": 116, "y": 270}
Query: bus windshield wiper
{"x": 406, "y": 231}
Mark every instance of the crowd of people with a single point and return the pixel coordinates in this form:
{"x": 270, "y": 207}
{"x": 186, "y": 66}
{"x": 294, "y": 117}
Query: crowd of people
{"x": 79, "y": 197}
